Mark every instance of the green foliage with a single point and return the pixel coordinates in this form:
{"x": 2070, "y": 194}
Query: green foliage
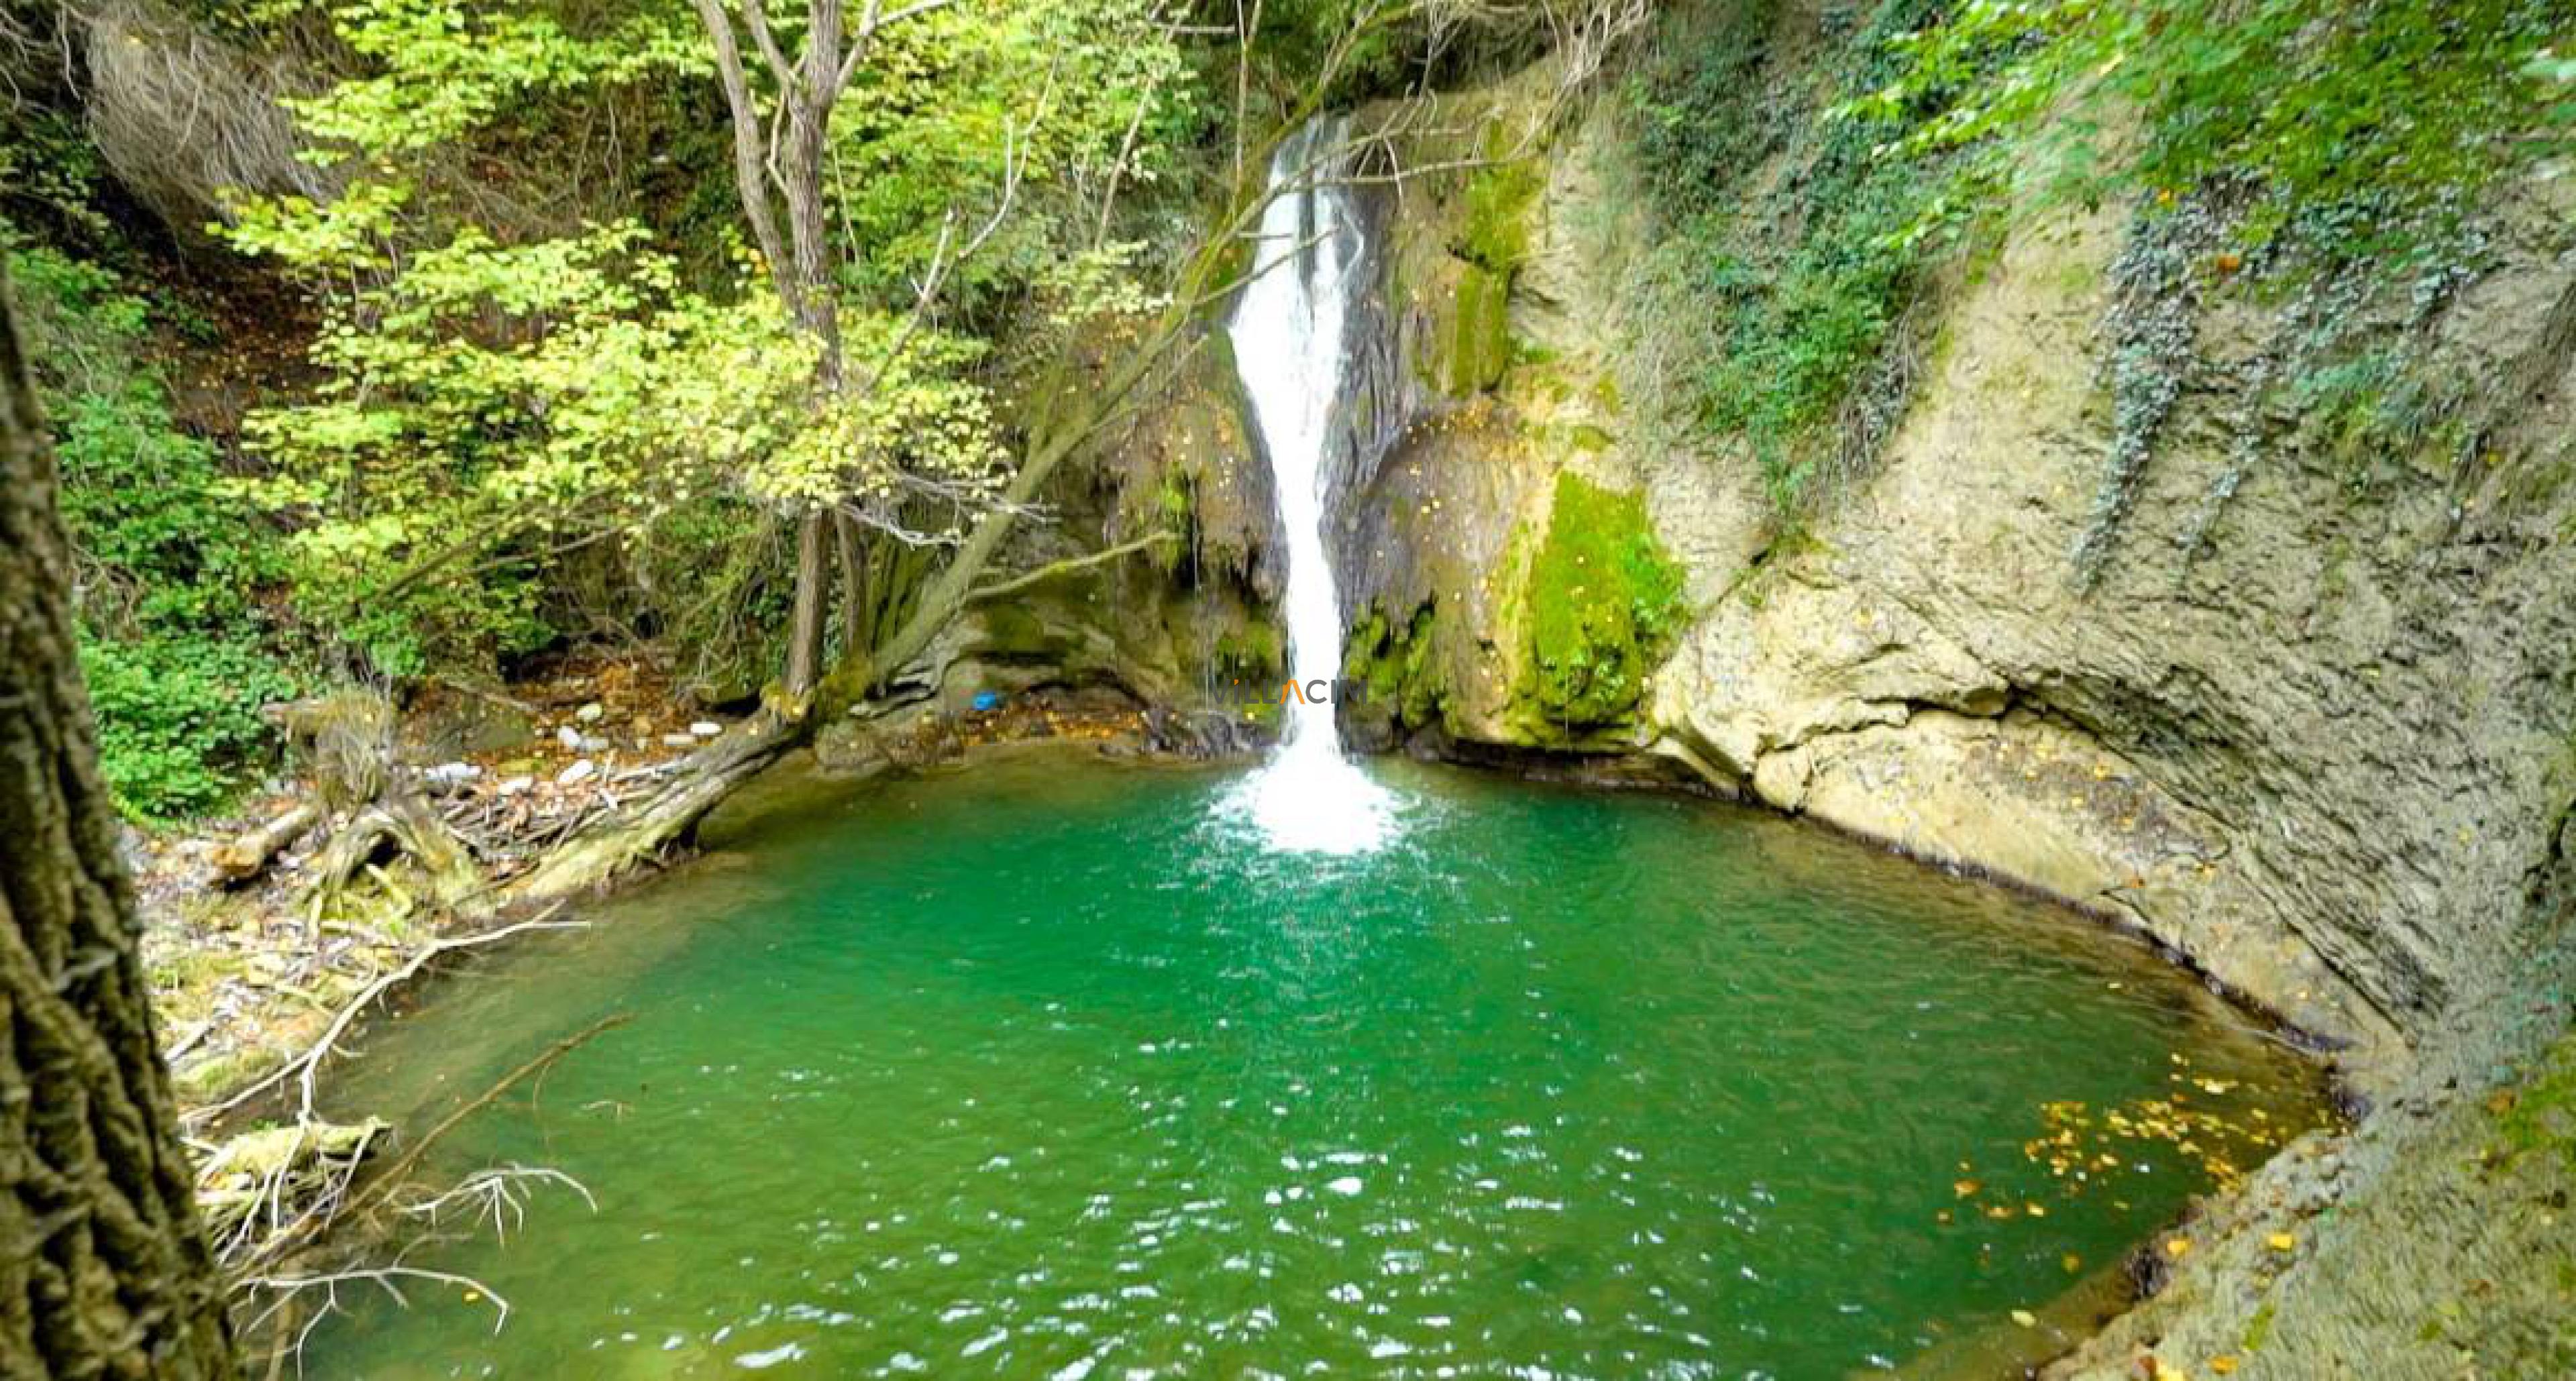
{"x": 175, "y": 646}
{"x": 1603, "y": 602}
{"x": 2331, "y": 154}
{"x": 2403, "y": 106}
{"x": 178, "y": 716}
{"x": 1802, "y": 280}
{"x": 1044, "y": 97}
{"x": 494, "y": 400}
{"x": 2322, "y": 141}
{"x": 1696, "y": 106}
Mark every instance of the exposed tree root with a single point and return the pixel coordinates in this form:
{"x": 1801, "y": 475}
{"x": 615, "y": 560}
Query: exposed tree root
{"x": 399, "y": 827}
{"x": 303, "y": 1068}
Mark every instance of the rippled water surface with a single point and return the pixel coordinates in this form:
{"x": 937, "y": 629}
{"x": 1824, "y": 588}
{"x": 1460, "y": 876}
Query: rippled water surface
{"x": 1049, "y": 1070}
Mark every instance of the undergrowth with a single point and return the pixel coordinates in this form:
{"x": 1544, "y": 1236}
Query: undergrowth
{"x": 1782, "y": 277}
{"x": 2325, "y": 159}
{"x": 171, "y": 566}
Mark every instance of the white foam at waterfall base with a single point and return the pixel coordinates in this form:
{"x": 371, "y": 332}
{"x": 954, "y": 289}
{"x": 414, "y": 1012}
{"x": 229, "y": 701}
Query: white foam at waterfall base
{"x": 1290, "y": 336}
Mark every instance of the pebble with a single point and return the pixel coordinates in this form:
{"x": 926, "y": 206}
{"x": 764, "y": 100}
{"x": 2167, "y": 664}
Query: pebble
{"x": 569, "y": 737}
{"x": 679, "y": 741}
{"x": 706, "y": 728}
{"x": 590, "y": 713}
{"x": 518, "y": 786}
{"x": 451, "y": 773}
{"x": 578, "y": 773}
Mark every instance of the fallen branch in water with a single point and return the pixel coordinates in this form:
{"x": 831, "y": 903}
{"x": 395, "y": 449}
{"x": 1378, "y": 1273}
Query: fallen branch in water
{"x": 289, "y": 1288}
{"x": 497, "y": 1193}
{"x": 385, "y": 1183}
{"x": 303, "y": 1068}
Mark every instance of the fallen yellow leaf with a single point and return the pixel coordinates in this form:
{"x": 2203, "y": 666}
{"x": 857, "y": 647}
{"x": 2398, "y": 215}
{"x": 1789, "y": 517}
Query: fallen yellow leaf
{"x": 2222, "y": 1364}
{"x": 2178, "y": 1247}
{"x": 2281, "y": 1241}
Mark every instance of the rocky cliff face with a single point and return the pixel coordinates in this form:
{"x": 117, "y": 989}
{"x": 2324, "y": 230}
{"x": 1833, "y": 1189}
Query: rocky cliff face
{"x": 2309, "y": 719}
{"x": 2315, "y": 733}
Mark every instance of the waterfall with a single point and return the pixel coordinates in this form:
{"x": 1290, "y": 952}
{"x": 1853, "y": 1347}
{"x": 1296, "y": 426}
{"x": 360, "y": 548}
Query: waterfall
{"x": 1290, "y": 331}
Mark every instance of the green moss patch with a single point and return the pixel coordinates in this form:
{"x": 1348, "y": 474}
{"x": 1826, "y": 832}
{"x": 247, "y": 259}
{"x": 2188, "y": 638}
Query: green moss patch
{"x": 1477, "y": 345}
{"x": 1603, "y": 601}
{"x": 1397, "y": 667}
{"x": 1499, "y": 197}
{"x": 2541, "y": 1115}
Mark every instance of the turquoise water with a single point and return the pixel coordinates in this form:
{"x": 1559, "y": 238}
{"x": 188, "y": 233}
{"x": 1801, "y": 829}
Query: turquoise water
{"x": 1046, "y": 1070}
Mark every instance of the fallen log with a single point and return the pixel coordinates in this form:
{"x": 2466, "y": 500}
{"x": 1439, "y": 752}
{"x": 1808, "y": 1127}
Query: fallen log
{"x": 613, "y": 841}
{"x": 249, "y": 854}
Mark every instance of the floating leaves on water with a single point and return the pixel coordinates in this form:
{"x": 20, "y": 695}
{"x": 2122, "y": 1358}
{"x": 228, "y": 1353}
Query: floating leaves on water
{"x": 2071, "y": 1262}
{"x": 2025, "y": 1318}
{"x": 1966, "y": 1188}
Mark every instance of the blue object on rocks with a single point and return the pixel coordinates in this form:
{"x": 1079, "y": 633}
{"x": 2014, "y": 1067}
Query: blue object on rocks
{"x": 987, "y": 701}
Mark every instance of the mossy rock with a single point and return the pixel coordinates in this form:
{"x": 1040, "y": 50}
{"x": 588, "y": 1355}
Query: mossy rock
{"x": 1013, "y": 630}
{"x": 1601, "y": 602}
{"x": 1476, "y": 342}
{"x": 1397, "y": 667}
{"x": 1495, "y": 234}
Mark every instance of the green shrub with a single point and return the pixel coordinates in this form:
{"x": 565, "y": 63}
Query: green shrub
{"x": 1803, "y": 278}
{"x": 176, "y": 647}
{"x": 178, "y": 718}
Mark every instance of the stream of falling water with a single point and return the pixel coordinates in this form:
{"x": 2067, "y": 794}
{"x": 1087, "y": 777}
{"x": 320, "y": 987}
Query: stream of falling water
{"x": 1291, "y": 337}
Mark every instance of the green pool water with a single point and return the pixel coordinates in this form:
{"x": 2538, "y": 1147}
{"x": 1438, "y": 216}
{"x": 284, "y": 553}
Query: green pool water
{"x": 1051, "y": 1070}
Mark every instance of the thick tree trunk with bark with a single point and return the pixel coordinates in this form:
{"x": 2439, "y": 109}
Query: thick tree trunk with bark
{"x": 103, "y": 1271}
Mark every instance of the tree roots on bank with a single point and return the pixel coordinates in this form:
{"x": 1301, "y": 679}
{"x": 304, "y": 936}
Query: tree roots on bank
{"x": 295, "y": 1214}
{"x": 305, "y": 1207}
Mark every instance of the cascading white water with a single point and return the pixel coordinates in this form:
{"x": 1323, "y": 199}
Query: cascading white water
{"x": 1291, "y": 345}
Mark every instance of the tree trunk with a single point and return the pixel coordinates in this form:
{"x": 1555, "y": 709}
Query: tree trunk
{"x": 852, "y": 548}
{"x": 103, "y": 1271}
{"x": 813, "y": 593}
